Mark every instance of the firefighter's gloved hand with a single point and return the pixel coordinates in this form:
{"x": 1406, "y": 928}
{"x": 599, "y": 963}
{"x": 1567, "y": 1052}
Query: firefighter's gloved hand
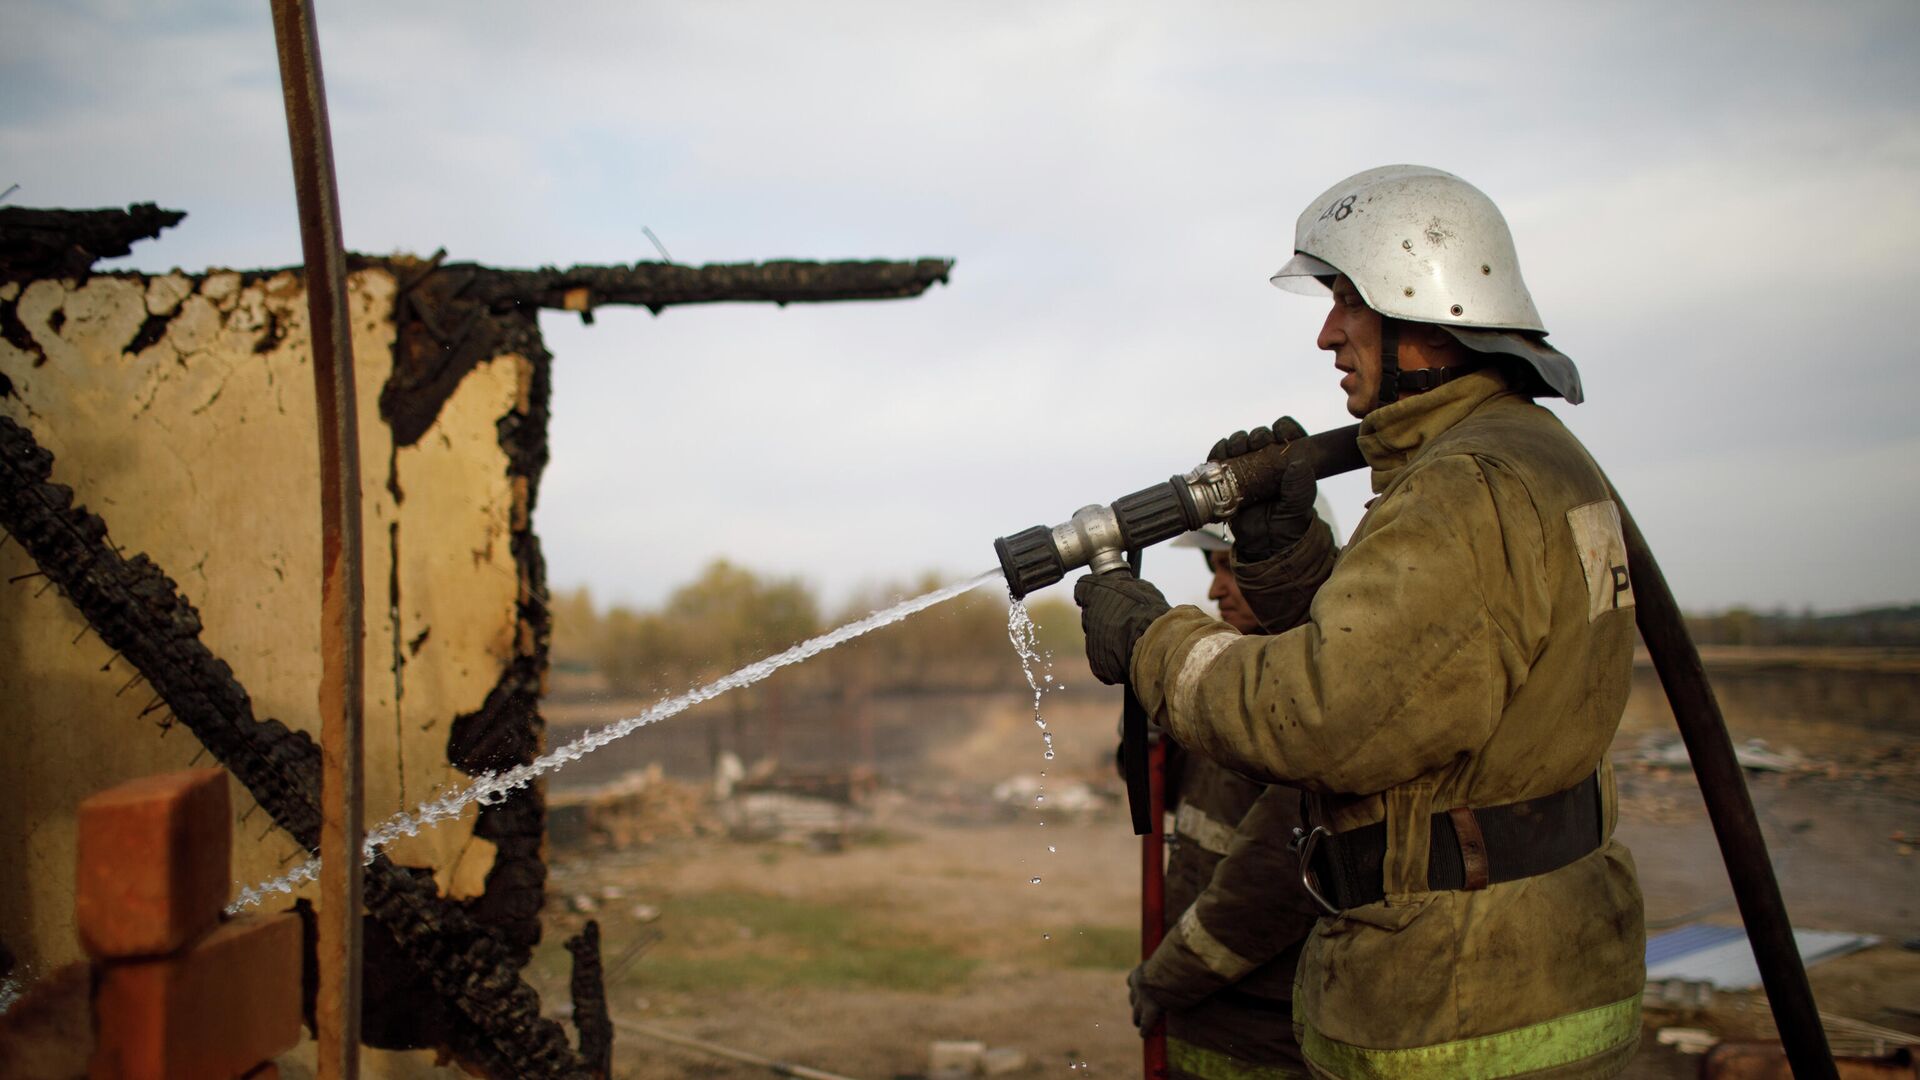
{"x": 1146, "y": 1012}
{"x": 1262, "y": 530}
{"x": 1115, "y": 609}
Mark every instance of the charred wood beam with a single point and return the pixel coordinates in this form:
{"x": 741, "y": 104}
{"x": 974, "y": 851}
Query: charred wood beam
{"x": 473, "y": 971}
{"x": 66, "y": 243}
{"x": 137, "y": 611}
{"x": 452, "y": 318}
{"x": 661, "y": 285}
{"x": 589, "y": 988}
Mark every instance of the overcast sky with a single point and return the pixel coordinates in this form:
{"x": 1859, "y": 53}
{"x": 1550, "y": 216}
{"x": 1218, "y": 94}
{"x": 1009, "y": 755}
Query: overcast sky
{"x": 1717, "y": 207}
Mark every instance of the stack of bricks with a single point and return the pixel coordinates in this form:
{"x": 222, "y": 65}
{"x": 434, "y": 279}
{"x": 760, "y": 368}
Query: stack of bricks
{"x": 179, "y": 992}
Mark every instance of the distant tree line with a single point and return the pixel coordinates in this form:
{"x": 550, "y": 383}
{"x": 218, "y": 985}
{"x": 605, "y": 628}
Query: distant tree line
{"x": 1882, "y": 627}
{"x": 730, "y": 616}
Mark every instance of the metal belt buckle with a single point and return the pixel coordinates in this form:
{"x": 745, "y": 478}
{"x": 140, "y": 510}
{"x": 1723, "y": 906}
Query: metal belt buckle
{"x": 1305, "y": 842}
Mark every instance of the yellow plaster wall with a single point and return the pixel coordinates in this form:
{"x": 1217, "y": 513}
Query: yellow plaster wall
{"x": 200, "y": 451}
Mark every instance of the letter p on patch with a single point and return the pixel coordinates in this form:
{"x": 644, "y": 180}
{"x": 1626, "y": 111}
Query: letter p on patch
{"x": 1603, "y": 556}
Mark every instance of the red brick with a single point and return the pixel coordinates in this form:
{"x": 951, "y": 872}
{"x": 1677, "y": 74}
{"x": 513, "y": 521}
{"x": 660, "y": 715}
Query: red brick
{"x": 153, "y": 868}
{"x": 214, "y": 1012}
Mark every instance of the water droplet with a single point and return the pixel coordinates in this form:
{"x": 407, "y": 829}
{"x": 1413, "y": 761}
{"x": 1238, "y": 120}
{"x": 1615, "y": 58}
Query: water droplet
{"x": 1033, "y": 881}
{"x": 1051, "y": 850}
{"x": 1046, "y": 937}
{"x": 1024, "y": 635}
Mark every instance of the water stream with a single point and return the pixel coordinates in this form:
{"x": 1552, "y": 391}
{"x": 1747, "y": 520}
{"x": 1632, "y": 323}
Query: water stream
{"x": 490, "y": 788}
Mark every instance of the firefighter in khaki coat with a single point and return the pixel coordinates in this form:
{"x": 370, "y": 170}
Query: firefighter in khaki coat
{"x": 1450, "y": 700}
{"x": 1237, "y": 913}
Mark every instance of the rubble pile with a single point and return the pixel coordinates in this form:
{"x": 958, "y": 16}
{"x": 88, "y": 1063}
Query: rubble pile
{"x": 821, "y": 809}
{"x": 639, "y": 809}
{"x": 1892, "y": 762}
{"x": 1067, "y": 797}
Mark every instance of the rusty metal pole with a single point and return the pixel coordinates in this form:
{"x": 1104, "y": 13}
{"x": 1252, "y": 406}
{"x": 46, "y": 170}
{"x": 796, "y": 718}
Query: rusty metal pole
{"x": 337, "y": 1009}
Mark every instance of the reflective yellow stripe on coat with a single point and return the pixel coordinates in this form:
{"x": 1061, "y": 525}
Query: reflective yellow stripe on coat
{"x": 1188, "y": 1060}
{"x": 1561, "y": 1041}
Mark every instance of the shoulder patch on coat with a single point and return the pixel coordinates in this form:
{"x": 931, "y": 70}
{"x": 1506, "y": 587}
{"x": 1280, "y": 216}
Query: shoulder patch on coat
{"x": 1603, "y": 555}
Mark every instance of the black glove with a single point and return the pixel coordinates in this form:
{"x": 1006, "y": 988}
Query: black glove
{"x": 1262, "y": 530}
{"x": 1146, "y": 1011}
{"x": 1115, "y": 609}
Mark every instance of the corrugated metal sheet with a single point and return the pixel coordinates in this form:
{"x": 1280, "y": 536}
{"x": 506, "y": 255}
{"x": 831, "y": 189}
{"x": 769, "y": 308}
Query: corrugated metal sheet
{"x": 1721, "y": 955}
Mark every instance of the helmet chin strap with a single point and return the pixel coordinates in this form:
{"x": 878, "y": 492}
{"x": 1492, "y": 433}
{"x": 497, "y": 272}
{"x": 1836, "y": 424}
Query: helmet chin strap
{"x": 1394, "y": 382}
{"x": 1389, "y": 360}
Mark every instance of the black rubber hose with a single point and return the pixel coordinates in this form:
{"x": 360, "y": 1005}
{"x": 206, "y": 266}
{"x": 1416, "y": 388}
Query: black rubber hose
{"x": 1334, "y": 452}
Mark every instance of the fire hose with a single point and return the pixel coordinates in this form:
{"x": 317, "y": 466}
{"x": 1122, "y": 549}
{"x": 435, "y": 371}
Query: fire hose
{"x": 1102, "y": 537}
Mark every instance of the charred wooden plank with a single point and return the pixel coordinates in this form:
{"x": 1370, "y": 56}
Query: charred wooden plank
{"x": 66, "y": 243}
{"x": 453, "y": 317}
{"x": 660, "y": 285}
{"x": 588, "y": 985}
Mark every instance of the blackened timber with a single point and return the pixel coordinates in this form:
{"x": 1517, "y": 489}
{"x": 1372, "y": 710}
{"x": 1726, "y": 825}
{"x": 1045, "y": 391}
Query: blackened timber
{"x": 66, "y": 243}
{"x": 137, "y": 611}
{"x": 472, "y": 971}
{"x": 443, "y": 332}
{"x": 589, "y": 990}
{"x": 453, "y": 317}
{"x": 661, "y": 285}
{"x": 508, "y": 731}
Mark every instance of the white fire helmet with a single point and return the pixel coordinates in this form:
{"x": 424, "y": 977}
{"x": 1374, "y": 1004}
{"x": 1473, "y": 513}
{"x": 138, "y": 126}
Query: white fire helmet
{"x": 1426, "y": 246}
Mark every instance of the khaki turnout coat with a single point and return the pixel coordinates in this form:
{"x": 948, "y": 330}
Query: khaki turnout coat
{"x": 1472, "y": 647}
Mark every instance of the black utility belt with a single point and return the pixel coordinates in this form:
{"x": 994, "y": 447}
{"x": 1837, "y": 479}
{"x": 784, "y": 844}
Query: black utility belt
{"x": 1472, "y": 847}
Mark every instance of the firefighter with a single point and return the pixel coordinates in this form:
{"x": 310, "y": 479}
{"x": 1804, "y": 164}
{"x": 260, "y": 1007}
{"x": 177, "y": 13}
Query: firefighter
{"x": 1236, "y": 912}
{"x": 1451, "y": 696}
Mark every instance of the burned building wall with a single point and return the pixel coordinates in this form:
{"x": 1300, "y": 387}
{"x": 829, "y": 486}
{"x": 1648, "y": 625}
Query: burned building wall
{"x": 158, "y": 492}
{"x": 179, "y": 408}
